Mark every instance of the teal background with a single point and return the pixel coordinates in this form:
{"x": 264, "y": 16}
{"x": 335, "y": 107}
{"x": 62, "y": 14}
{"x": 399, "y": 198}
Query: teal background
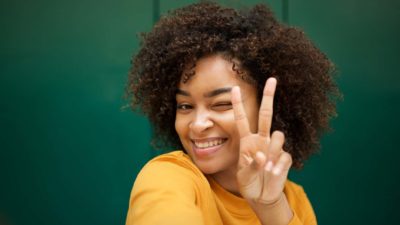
{"x": 70, "y": 151}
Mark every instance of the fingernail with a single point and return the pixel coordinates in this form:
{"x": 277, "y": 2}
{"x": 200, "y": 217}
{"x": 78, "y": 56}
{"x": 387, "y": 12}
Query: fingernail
{"x": 277, "y": 171}
{"x": 269, "y": 166}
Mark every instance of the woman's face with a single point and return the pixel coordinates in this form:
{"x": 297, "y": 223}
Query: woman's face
{"x": 204, "y": 117}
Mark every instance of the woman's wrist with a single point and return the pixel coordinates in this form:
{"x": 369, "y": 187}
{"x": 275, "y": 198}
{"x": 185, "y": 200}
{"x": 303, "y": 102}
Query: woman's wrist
{"x": 273, "y": 212}
{"x": 270, "y": 203}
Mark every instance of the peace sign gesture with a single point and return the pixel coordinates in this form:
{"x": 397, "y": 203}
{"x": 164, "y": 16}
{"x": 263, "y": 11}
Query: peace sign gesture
{"x": 263, "y": 165}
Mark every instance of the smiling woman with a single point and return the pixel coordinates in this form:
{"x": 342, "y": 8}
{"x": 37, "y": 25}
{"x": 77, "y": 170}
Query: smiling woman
{"x": 245, "y": 98}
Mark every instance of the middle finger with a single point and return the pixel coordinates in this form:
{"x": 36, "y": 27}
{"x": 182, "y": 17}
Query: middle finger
{"x": 266, "y": 108}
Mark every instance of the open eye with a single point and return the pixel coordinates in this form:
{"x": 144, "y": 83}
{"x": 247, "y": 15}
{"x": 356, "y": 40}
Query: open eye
{"x": 184, "y": 107}
{"x": 222, "y": 106}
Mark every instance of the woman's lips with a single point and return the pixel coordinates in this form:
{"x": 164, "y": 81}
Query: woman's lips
{"x": 207, "y": 151}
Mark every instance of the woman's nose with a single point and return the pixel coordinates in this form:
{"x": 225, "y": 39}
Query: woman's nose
{"x": 201, "y": 122}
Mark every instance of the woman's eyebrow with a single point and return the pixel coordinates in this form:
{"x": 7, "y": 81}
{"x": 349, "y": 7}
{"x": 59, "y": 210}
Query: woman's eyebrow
{"x": 218, "y": 91}
{"x": 182, "y": 92}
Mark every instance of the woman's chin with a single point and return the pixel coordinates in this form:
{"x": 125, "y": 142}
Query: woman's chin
{"x": 207, "y": 169}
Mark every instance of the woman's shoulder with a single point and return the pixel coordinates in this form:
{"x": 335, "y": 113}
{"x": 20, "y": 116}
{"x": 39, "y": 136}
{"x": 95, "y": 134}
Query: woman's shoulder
{"x": 173, "y": 162}
{"x": 299, "y": 202}
{"x": 170, "y": 169}
{"x": 177, "y": 157}
{"x": 168, "y": 185}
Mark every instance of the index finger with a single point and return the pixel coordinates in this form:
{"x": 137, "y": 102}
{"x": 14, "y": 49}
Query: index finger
{"x": 266, "y": 108}
{"x": 240, "y": 114}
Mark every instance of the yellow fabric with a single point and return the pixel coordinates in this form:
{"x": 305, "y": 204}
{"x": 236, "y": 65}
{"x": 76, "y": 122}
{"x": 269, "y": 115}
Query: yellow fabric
{"x": 171, "y": 190}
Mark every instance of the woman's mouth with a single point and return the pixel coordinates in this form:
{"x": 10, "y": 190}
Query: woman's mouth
{"x": 206, "y": 147}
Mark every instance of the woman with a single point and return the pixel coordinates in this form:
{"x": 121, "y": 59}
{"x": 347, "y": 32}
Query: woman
{"x": 244, "y": 98}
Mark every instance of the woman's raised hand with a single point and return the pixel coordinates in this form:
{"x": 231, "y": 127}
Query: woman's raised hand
{"x": 263, "y": 164}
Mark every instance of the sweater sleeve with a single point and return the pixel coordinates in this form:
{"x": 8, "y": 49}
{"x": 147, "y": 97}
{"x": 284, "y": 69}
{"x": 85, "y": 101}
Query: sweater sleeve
{"x": 303, "y": 213}
{"x": 164, "y": 193}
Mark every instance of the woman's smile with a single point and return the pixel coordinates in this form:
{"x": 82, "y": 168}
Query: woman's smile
{"x": 206, "y": 147}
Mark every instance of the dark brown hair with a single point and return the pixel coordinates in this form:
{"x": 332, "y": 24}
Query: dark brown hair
{"x": 306, "y": 93}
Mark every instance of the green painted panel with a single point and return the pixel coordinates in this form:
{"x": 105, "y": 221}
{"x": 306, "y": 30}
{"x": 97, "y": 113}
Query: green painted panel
{"x": 355, "y": 179}
{"x": 68, "y": 152}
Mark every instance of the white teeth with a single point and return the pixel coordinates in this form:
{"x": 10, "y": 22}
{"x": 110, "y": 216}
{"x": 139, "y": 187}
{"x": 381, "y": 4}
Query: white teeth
{"x": 208, "y": 143}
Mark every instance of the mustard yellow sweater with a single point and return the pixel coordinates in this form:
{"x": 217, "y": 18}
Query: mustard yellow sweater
{"x": 171, "y": 190}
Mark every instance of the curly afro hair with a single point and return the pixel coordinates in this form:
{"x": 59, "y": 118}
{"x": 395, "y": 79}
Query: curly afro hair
{"x": 306, "y": 95}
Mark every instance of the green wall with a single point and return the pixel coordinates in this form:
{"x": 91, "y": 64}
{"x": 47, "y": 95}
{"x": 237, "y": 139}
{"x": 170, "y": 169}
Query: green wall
{"x": 69, "y": 151}
{"x": 355, "y": 179}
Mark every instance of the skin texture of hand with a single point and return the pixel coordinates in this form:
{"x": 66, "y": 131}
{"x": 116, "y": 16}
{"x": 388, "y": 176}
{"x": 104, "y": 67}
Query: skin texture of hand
{"x": 263, "y": 164}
